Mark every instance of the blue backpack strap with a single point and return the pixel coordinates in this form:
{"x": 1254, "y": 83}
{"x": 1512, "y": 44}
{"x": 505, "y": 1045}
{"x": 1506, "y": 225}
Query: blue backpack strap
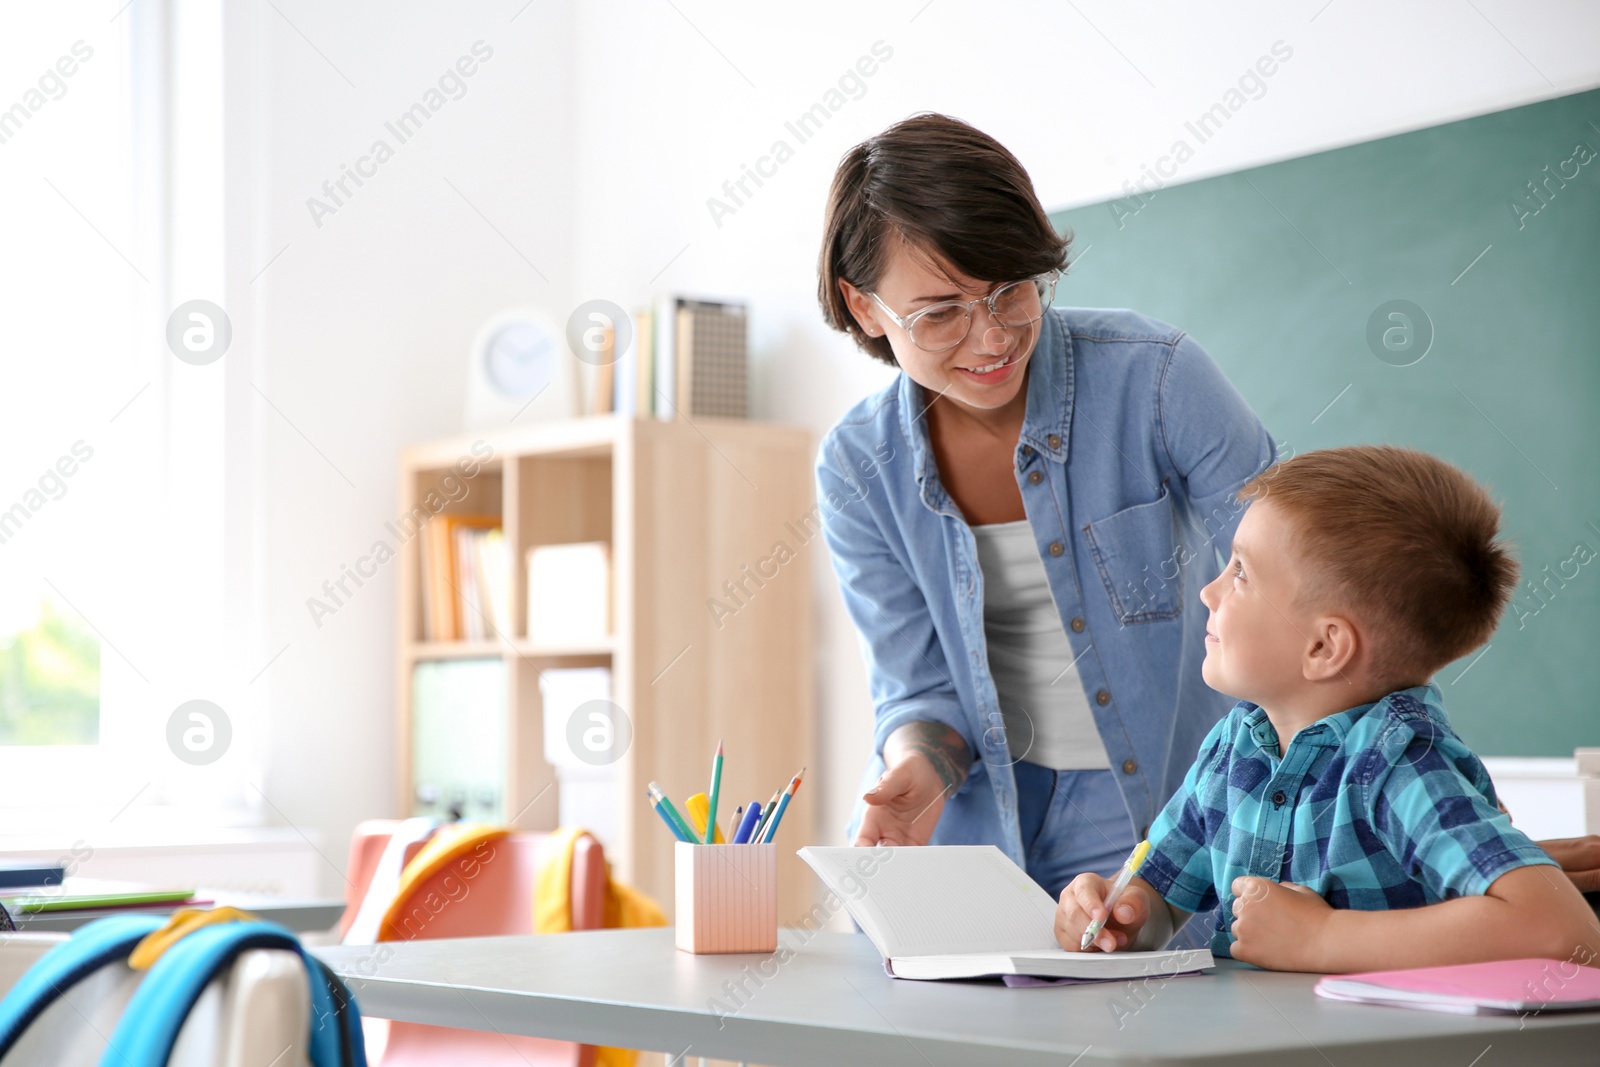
{"x": 93, "y": 946}
{"x": 149, "y": 1026}
{"x": 341, "y": 1028}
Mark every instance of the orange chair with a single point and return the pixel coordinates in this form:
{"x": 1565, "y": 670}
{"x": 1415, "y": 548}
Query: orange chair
{"x": 498, "y": 900}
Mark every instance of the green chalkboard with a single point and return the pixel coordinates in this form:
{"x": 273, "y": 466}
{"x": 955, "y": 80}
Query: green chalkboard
{"x": 1491, "y": 227}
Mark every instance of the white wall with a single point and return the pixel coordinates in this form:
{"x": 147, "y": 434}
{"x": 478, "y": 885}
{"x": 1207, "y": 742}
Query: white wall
{"x": 357, "y": 333}
{"x": 592, "y": 141}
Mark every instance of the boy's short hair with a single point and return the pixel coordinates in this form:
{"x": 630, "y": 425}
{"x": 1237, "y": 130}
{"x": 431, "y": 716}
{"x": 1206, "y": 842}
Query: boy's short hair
{"x": 1405, "y": 542}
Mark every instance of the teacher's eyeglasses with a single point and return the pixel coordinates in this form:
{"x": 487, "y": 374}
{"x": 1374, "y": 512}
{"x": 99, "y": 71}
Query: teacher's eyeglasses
{"x": 940, "y": 327}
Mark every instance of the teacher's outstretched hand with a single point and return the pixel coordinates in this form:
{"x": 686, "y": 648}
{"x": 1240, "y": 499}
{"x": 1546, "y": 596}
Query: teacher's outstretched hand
{"x": 926, "y": 764}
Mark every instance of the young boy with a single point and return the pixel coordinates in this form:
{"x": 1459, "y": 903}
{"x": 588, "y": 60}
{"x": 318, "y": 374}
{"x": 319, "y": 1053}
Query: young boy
{"x": 1334, "y": 814}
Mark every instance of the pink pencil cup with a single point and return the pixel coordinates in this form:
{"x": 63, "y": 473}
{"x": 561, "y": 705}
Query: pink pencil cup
{"x": 727, "y": 897}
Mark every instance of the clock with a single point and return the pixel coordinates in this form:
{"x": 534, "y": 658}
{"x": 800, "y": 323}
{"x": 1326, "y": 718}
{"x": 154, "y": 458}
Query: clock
{"x": 519, "y": 371}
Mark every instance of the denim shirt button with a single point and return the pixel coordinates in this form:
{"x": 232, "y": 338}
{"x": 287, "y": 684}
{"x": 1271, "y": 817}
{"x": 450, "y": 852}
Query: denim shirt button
{"x": 1035, "y": 478}
{"x": 1103, "y": 698}
{"x": 1027, "y": 450}
{"x": 1054, "y": 440}
{"x": 1056, "y": 548}
{"x": 1077, "y": 626}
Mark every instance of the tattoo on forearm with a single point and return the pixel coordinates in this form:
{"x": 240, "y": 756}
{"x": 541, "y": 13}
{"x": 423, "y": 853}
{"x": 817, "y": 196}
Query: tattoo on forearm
{"x": 944, "y": 748}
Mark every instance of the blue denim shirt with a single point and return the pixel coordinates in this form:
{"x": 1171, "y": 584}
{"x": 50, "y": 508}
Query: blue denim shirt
{"x": 1141, "y": 444}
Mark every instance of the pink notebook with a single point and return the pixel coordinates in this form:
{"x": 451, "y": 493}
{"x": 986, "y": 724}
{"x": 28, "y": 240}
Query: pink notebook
{"x": 1507, "y": 986}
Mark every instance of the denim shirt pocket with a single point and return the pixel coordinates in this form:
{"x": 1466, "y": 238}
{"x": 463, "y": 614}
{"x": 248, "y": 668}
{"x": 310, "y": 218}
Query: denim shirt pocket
{"x": 1133, "y": 550}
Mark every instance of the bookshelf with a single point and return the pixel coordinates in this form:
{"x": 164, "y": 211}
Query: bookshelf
{"x": 686, "y": 506}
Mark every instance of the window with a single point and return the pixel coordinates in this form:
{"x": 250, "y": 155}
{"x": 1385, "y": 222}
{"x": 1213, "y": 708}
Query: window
{"x": 49, "y": 679}
{"x": 111, "y": 450}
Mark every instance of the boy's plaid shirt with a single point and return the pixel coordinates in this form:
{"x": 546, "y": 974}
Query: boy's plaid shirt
{"x": 1376, "y": 808}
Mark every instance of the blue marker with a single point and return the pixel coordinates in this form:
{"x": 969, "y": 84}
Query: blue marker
{"x": 747, "y": 826}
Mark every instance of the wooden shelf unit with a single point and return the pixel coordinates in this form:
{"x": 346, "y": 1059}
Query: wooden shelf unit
{"x": 686, "y": 508}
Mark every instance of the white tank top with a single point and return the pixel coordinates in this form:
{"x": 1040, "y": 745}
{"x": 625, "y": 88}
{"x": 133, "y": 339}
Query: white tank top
{"x": 1042, "y": 702}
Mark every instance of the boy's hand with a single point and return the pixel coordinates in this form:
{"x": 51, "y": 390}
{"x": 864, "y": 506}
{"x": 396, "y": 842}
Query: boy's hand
{"x": 1083, "y": 901}
{"x": 1277, "y": 925}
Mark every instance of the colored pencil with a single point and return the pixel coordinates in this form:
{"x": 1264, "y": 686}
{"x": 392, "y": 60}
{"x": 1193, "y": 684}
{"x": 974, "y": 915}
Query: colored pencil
{"x": 716, "y": 791}
{"x": 783, "y": 805}
{"x": 766, "y": 817}
{"x": 663, "y": 804}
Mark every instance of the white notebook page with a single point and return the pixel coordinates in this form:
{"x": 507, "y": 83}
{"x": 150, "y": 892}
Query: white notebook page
{"x": 939, "y": 899}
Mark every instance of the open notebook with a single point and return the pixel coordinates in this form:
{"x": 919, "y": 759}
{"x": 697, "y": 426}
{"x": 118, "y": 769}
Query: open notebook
{"x": 966, "y": 911}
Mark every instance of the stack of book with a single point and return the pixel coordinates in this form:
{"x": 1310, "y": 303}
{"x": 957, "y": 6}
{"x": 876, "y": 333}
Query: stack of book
{"x": 688, "y": 358}
{"x": 466, "y": 580}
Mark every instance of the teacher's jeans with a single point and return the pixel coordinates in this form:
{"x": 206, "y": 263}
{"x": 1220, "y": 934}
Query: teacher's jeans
{"x": 1075, "y": 821}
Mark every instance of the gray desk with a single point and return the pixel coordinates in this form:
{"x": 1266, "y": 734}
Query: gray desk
{"x": 301, "y": 916}
{"x": 830, "y": 1003}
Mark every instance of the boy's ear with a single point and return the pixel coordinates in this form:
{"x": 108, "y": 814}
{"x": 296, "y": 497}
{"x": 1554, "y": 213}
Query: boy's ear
{"x": 1331, "y": 654}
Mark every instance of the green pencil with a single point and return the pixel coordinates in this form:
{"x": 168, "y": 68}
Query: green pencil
{"x": 716, "y": 788}
{"x": 664, "y": 802}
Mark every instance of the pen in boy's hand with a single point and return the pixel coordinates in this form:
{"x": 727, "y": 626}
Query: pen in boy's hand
{"x": 1124, "y": 876}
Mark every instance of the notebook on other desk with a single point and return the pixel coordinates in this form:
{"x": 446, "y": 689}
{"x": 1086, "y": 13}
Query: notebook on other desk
{"x": 1502, "y": 987}
{"x": 967, "y": 911}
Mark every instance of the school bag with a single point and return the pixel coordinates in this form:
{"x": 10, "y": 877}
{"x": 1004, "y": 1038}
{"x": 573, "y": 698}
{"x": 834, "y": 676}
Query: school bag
{"x": 265, "y": 999}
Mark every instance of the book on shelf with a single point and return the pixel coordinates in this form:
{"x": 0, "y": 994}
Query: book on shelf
{"x": 665, "y": 398}
{"x": 605, "y": 373}
{"x": 627, "y": 388}
{"x": 710, "y": 360}
{"x": 466, "y": 579}
{"x": 688, "y": 358}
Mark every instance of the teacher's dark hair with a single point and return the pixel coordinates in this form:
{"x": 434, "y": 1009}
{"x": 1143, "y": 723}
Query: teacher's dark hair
{"x": 942, "y": 187}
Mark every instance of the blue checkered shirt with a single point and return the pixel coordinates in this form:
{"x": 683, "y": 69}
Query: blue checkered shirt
{"x": 1376, "y": 808}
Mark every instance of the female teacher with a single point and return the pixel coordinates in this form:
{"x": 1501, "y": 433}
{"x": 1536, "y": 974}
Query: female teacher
{"x": 1022, "y": 522}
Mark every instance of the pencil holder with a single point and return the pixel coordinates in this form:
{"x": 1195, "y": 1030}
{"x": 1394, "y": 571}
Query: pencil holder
{"x": 727, "y": 897}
